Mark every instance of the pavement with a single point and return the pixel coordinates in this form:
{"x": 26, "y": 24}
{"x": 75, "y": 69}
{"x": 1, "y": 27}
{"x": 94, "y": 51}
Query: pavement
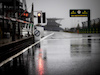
{"x": 4, "y": 41}
{"x": 60, "y": 54}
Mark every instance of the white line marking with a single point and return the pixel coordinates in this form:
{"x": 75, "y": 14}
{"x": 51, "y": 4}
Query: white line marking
{"x": 12, "y": 57}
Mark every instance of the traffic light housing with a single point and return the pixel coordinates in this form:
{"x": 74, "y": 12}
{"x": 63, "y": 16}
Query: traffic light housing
{"x": 39, "y": 17}
{"x": 44, "y": 17}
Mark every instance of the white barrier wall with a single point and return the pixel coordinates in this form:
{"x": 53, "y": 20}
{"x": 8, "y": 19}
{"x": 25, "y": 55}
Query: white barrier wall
{"x": 41, "y": 29}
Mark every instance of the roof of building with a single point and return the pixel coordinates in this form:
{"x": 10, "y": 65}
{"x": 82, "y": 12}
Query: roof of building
{"x": 52, "y": 25}
{"x": 54, "y": 18}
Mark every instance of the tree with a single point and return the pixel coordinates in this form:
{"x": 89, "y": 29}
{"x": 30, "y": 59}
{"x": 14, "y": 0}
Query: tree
{"x": 78, "y": 26}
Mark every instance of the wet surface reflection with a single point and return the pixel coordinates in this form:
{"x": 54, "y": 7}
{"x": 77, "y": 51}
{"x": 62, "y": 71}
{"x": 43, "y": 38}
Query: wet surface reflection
{"x": 58, "y": 55}
{"x": 23, "y": 64}
{"x": 86, "y": 46}
{"x": 81, "y": 47}
{"x": 40, "y": 64}
{"x": 31, "y": 62}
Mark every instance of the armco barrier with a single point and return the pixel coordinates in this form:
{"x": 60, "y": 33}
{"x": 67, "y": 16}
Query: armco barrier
{"x": 92, "y": 30}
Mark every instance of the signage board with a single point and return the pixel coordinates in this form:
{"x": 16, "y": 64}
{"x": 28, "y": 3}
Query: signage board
{"x": 37, "y": 33}
{"x": 79, "y": 13}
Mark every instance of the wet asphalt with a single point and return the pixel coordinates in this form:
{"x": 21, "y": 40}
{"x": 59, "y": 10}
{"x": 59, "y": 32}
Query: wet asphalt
{"x": 60, "y": 54}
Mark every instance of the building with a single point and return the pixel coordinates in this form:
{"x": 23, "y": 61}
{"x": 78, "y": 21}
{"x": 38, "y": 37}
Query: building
{"x": 52, "y": 25}
{"x": 13, "y": 17}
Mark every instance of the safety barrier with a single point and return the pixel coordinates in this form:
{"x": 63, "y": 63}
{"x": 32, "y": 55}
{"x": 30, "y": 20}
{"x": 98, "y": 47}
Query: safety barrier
{"x": 91, "y": 30}
{"x": 12, "y": 48}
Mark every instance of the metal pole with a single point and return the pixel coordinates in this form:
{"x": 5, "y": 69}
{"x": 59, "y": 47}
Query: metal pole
{"x": 3, "y": 20}
{"x": 33, "y": 20}
{"x": 89, "y": 19}
{"x": 14, "y": 24}
{"x": 18, "y": 24}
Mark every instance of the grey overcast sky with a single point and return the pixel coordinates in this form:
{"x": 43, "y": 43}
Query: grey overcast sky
{"x": 60, "y": 9}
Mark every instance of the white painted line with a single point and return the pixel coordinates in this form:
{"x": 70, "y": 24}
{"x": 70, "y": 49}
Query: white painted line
{"x": 12, "y": 57}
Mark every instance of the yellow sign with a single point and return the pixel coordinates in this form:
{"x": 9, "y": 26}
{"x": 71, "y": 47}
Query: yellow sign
{"x": 85, "y": 12}
{"x": 79, "y": 16}
{"x": 73, "y": 12}
{"x": 79, "y": 13}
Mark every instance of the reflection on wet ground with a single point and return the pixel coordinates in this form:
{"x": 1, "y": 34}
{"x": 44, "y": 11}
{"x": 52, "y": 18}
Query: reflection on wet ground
{"x": 60, "y": 54}
{"x": 81, "y": 47}
{"x": 19, "y": 65}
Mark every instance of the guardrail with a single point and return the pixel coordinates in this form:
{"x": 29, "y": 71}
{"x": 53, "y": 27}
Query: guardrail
{"x": 91, "y": 30}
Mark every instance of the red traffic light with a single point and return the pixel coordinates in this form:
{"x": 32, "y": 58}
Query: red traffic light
{"x": 39, "y": 17}
{"x": 39, "y": 14}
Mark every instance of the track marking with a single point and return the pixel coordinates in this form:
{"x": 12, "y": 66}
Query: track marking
{"x": 12, "y": 57}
